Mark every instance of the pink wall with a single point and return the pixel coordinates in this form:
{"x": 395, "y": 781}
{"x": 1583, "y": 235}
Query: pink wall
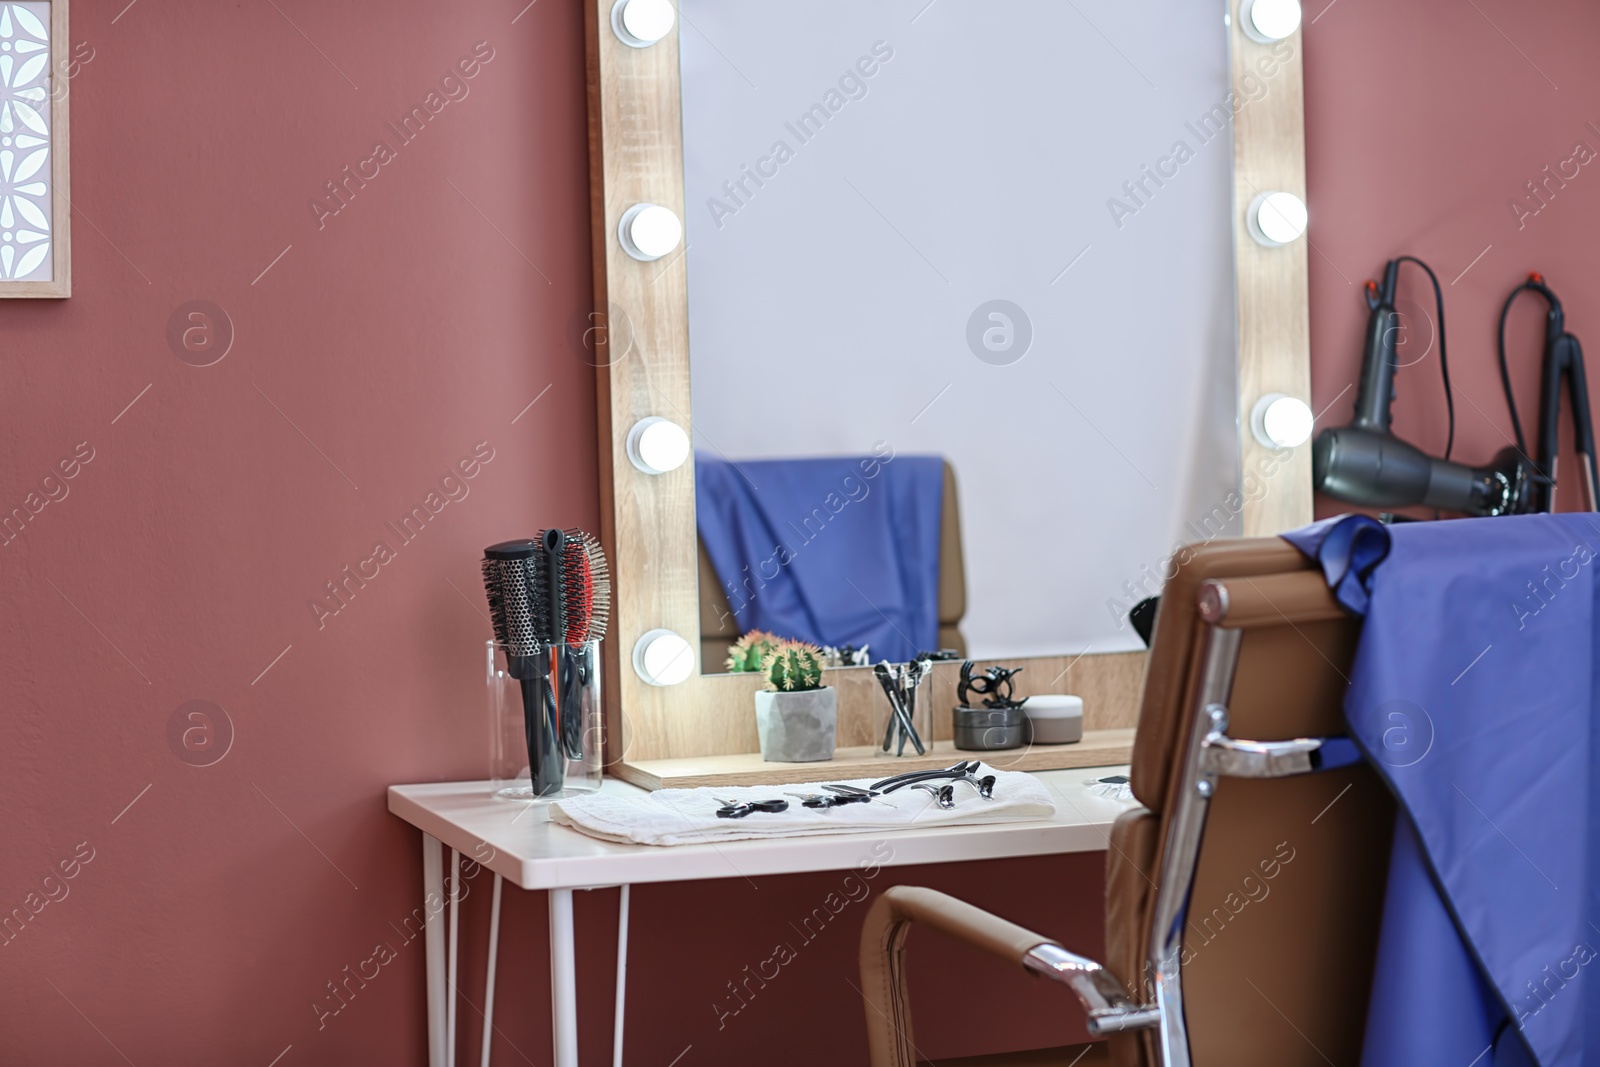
{"x": 1424, "y": 119}
{"x": 373, "y": 350}
{"x": 379, "y": 350}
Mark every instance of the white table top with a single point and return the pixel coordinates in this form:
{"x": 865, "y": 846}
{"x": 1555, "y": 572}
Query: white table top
{"x": 518, "y": 841}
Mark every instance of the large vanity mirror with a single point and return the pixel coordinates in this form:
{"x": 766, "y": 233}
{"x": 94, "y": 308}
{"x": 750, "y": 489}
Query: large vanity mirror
{"x": 961, "y": 316}
{"x": 952, "y": 321}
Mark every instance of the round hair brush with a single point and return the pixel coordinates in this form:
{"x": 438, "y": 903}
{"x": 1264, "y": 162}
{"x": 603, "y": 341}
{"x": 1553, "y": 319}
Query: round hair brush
{"x": 515, "y": 577}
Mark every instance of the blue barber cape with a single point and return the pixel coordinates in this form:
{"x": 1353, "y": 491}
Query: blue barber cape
{"x": 1474, "y": 695}
{"x": 836, "y": 551}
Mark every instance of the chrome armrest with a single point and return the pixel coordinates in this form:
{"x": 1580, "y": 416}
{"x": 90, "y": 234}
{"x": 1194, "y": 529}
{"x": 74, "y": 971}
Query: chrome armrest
{"x": 1230, "y": 758}
{"x": 1107, "y": 1006}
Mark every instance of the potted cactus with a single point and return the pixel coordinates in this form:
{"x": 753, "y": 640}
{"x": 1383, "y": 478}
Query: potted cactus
{"x": 796, "y": 715}
{"x": 750, "y": 650}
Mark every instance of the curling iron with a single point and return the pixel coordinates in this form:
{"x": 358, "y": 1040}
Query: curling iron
{"x": 1365, "y": 463}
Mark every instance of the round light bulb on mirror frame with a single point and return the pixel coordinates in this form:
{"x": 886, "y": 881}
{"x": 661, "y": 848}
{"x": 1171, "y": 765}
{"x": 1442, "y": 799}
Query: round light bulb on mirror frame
{"x": 657, "y": 445}
{"x": 649, "y": 231}
{"x": 641, "y": 23}
{"x": 1266, "y": 21}
{"x": 1280, "y": 421}
{"x": 663, "y": 657}
{"x": 1277, "y": 218}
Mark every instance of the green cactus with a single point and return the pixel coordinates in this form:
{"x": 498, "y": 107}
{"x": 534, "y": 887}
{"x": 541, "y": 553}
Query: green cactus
{"x": 748, "y": 652}
{"x": 793, "y": 667}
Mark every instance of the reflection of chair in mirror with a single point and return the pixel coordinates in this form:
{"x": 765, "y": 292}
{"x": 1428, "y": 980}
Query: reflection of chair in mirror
{"x": 1251, "y": 943}
{"x": 719, "y": 629}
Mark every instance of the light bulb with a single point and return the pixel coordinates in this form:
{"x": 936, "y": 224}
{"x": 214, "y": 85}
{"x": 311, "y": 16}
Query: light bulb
{"x": 662, "y": 657}
{"x": 649, "y": 231}
{"x": 1277, "y": 218}
{"x": 641, "y": 23}
{"x": 1279, "y": 421}
{"x": 1267, "y": 21}
{"x": 657, "y": 445}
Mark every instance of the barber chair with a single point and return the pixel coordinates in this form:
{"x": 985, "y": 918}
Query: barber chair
{"x": 1243, "y": 895}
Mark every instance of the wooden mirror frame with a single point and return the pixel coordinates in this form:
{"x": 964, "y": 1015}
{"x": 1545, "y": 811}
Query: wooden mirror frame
{"x": 703, "y": 730}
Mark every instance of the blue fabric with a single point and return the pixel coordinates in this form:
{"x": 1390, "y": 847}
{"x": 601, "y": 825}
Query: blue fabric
{"x": 1348, "y": 548}
{"x": 837, "y": 551}
{"x": 1473, "y": 693}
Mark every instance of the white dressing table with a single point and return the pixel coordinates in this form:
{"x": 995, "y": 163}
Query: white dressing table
{"x": 519, "y": 843}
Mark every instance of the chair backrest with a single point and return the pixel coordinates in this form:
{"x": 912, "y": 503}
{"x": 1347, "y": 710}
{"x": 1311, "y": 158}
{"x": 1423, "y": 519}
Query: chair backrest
{"x": 1281, "y": 924}
{"x": 719, "y": 630}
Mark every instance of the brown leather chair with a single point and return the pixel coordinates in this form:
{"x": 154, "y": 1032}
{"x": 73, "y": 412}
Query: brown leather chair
{"x": 719, "y": 630}
{"x": 1243, "y": 895}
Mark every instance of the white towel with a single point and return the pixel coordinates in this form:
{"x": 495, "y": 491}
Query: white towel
{"x": 688, "y": 816}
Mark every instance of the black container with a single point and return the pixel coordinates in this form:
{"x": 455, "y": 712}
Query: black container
{"x": 989, "y": 729}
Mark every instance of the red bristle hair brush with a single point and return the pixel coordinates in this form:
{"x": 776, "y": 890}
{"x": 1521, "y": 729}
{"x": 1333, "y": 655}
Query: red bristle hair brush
{"x": 579, "y": 609}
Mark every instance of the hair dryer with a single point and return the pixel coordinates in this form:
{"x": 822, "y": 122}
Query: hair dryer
{"x": 1364, "y": 463}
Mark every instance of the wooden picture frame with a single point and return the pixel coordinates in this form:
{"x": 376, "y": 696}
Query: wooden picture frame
{"x": 702, "y": 731}
{"x": 18, "y": 242}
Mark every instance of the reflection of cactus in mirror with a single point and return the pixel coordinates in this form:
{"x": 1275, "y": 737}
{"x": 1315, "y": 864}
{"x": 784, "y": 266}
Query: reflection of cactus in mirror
{"x": 793, "y": 666}
{"x": 750, "y": 650}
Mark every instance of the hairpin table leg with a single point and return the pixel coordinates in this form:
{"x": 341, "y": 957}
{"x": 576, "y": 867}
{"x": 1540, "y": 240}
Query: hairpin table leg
{"x": 433, "y": 934}
{"x": 450, "y": 977}
{"x": 488, "y": 978}
{"x": 622, "y": 978}
{"x": 563, "y": 980}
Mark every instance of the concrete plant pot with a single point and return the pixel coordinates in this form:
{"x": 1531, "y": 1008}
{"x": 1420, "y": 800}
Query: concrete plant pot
{"x": 797, "y": 727}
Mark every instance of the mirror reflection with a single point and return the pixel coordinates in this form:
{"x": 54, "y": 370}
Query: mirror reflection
{"x": 961, "y": 317}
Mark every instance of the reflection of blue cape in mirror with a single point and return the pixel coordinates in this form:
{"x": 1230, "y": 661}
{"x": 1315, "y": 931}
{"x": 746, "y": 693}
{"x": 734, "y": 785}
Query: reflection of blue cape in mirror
{"x": 1473, "y": 694}
{"x": 838, "y": 551}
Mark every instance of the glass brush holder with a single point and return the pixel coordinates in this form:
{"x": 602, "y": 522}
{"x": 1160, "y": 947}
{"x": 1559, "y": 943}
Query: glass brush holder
{"x": 908, "y": 719}
{"x": 545, "y": 732}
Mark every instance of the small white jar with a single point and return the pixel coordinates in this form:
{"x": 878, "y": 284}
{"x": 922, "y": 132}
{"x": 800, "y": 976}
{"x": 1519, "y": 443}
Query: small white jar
{"x": 1054, "y": 719}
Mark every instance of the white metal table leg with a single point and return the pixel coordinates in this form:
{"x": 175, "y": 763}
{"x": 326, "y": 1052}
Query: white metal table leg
{"x": 450, "y": 978}
{"x": 622, "y": 979}
{"x": 563, "y": 980}
{"x": 433, "y": 934}
{"x": 488, "y": 980}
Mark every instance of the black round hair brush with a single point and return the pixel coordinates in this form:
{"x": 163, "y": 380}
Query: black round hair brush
{"x": 515, "y": 577}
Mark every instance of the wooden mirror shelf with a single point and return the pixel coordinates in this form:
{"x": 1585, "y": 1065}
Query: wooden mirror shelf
{"x": 702, "y": 731}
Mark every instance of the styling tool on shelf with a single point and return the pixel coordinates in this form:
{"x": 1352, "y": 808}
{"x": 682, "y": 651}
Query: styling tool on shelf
{"x": 999, "y": 721}
{"x": 514, "y": 582}
{"x": 899, "y": 682}
{"x": 1365, "y": 463}
{"x": 734, "y": 809}
{"x": 1562, "y": 363}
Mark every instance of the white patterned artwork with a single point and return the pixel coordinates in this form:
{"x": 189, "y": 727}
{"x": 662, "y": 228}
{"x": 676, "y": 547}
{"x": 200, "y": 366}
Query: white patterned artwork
{"x": 29, "y": 213}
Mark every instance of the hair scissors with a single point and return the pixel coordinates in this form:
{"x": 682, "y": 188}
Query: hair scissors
{"x": 734, "y": 809}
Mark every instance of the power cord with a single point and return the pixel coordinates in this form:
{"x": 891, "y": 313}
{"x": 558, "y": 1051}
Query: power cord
{"x": 1444, "y": 360}
{"x": 1505, "y": 374}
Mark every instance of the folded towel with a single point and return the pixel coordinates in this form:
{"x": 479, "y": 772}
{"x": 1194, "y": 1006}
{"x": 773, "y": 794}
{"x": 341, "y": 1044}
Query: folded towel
{"x": 687, "y": 816}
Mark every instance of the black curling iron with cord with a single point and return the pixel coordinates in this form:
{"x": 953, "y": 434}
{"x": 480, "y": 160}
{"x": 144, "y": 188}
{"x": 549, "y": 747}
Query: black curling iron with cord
{"x": 1563, "y": 361}
{"x": 1364, "y": 463}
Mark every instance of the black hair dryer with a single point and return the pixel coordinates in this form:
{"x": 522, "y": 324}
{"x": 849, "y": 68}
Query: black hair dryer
{"x": 1365, "y": 464}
